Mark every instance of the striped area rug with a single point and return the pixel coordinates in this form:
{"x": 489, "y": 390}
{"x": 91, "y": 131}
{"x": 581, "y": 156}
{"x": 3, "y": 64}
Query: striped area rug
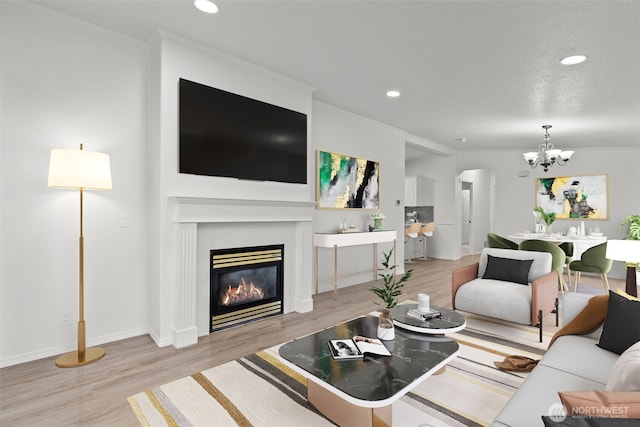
{"x": 260, "y": 390}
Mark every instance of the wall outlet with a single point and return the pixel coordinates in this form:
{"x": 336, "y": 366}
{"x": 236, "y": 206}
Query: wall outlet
{"x": 125, "y": 221}
{"x": 65, "y": 318}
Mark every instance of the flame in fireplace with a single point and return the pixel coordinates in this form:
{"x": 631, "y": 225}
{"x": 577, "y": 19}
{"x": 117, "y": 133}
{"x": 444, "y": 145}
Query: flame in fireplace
{"x": 241, "y": 293}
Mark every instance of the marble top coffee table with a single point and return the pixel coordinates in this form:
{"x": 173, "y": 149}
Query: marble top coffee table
{"x": 448, "y": 323}
{"x": 357, "y": 391}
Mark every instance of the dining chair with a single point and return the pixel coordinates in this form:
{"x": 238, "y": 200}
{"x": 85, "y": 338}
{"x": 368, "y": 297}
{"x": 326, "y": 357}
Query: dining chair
{"x": 410, "y": 233}
{"x": 567, "y": 247}
{"x": 558, "y": 257}
{"x": 593, "y": 260}
{"x": 496, "y": 241}
{"x": 426, "y": 231}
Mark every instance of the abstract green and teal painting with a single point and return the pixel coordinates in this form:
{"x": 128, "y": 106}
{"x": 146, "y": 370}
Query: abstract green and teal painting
{"x": 346, "y": 182}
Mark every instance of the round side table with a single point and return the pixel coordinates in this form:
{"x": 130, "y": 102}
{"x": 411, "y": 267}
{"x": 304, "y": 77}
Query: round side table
{"x": 448, "y": 323}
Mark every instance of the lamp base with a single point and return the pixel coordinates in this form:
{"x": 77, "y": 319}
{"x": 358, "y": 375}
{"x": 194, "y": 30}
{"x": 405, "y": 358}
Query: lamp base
{"x": 72, "y": 359}
{"x": 631, "y": 285}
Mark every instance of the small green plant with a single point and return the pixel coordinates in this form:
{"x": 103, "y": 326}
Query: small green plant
{"x": 632, "y": 226}
{"x": 391, "y": 288}
{"x": 547, "y": 217}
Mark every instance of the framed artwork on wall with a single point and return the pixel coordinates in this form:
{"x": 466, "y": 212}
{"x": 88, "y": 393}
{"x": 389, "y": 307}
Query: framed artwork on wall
{"x": 574, "y": 197}
{"x": 347, "y": 182}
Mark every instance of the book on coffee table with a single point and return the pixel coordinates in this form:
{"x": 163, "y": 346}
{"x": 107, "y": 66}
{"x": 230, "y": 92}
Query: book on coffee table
{"x": 357, "y": 347}
{"x": 423, "y": 316}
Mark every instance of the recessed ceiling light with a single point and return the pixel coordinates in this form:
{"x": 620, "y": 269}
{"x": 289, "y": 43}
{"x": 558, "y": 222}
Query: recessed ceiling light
{"x": 461, "y": 139}
{"x": 206, "y": 6}
{"x": 573, "y": 60}
{"x": 393, "y": 93}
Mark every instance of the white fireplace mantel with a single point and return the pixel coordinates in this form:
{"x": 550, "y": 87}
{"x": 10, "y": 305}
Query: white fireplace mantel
{"x": 186, "y": 213}
{"x": 199, "y": 209}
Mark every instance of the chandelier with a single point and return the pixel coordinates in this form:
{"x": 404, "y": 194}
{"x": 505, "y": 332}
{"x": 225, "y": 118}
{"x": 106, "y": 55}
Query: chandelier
{"x": 547, "y": 156}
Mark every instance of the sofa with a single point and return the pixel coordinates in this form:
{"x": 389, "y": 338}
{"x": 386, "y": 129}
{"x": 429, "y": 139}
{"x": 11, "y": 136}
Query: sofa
{"x": 507, "y": 284}
{"x": 574, "y": 363}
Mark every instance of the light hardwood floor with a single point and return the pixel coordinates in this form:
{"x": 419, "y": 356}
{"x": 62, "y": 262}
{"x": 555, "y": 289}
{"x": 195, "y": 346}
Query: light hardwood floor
{"x": 39, "y": 394}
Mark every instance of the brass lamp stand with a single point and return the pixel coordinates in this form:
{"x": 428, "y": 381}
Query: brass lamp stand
{"x": 80, "y": 170}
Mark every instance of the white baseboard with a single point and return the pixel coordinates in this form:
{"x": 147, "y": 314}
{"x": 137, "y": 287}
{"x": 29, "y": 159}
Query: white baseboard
{"x": 61, "y": 349}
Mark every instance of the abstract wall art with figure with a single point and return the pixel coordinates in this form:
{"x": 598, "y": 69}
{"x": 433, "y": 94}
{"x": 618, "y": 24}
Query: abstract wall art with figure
{"x": 579, "y": 197}
{"x": 346, "y": 182}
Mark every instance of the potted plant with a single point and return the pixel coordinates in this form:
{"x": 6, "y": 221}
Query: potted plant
{"x": 631, "y": 224}
{"x": 388, "y": 292}
{"x": 547, "y": 217}
{"x": 377, "y": 220}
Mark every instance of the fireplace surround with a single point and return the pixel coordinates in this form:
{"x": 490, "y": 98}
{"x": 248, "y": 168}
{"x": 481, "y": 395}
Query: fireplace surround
{"x": 200, "y": 224}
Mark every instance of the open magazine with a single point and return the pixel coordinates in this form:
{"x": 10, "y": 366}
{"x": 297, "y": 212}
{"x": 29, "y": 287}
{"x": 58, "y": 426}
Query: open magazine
{"x": 357, "y": 347}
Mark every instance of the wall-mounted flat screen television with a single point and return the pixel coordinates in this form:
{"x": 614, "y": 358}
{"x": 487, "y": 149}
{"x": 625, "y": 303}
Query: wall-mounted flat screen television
{"x": 228, "y": 135}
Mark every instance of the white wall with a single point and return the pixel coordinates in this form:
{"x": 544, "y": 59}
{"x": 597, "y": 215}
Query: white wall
{"x": 335, "y": 130}
{"x": 63, "y": 83}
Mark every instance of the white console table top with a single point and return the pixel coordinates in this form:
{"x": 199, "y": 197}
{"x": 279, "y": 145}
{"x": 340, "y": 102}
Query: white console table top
{"x": 329, "y": 240}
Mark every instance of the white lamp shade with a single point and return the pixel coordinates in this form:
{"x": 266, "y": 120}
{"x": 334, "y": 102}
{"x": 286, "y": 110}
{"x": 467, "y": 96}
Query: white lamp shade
{"x": 88, "y": 170}
{"x": 623, "y": 250}
{"x": 566, "y": 155}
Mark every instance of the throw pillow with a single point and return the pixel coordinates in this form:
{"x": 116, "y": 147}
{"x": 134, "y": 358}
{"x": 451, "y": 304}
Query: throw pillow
{"x": 625, "y": 375}
{"x": 596, "y": 403}
{"x": 621, "y": 328}
{"x": 507, "y": 269}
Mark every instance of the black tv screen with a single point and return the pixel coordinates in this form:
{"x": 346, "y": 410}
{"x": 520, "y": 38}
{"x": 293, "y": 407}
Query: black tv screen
{"x": 228, "y": 135}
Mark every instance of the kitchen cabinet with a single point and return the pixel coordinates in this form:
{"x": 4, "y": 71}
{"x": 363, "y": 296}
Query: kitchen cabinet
{"x": 418, "y": 191}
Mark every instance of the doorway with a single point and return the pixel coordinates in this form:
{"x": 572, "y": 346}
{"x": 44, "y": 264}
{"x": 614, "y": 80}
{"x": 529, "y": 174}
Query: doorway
{"x": 476, "y": 210}
{"x": 466, "y": 194}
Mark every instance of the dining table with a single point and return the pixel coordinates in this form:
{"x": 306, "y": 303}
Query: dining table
{"x": 580, "y": 242}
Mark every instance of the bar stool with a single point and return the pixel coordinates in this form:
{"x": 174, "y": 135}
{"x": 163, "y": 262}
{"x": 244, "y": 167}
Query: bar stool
{"x": 410, "y": 233}
{"x": 426, "y": 231}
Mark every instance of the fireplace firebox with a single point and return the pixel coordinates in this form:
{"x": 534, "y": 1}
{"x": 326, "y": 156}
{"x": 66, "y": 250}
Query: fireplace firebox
{"x": 246, "y": 284}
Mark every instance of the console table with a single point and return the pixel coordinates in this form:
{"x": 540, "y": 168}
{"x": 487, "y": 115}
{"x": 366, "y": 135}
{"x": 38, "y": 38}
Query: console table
{"x": 336, "y": 240}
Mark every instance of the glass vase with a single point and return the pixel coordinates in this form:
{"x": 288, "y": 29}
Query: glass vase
{"x": 377, "y": 224}
{"x": 386, "y": 330}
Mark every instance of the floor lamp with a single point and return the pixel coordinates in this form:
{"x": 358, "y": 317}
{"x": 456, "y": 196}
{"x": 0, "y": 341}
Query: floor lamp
{"x": 80, "y": 170}
{"x": 629, "y": 252}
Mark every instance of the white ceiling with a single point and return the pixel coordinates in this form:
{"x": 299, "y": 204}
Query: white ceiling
{"x": 486, "y": 71}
